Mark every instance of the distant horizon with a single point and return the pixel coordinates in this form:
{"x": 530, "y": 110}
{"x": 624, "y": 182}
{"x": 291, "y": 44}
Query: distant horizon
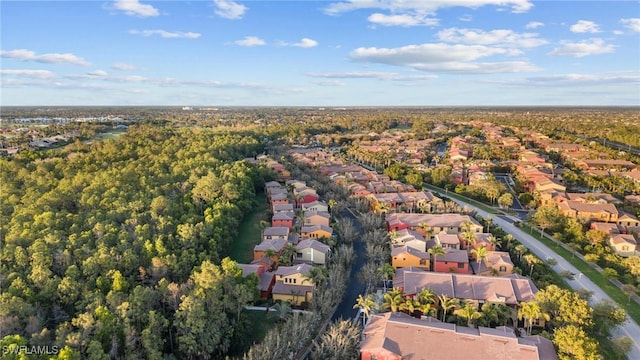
{"x": 336, "y": 53}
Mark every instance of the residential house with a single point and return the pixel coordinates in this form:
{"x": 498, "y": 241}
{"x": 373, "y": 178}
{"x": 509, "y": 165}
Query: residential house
{"x": 266, "y": 279}
{"x": 453, "y": 261}
{"x": 433, "y": 223}
{"x": 398, "y": 336}
{"x": 270, "y": 264}
{"x": 283, "y": 219}
{"x": 405, "y": 256}
{"x": 408, "y": 238}
{"x": 288, "y": 207}
{"x": 509, "y": 290}
{"x": 315, "y": 206}
{"x": 495, "y": 263}
{"x": 305, "y": 196}
{"x": 275, "y": 233}
{"x": 312, "y": 251}
{"x": 270, "y": 185}
{"x": 316, "y": 231}
{"x": 278, "y": 199}
{"x": 276, "y": 191}
{"x": 447, "y": 241}
{"x": 292, "y": 284}
{"x": 609, "y": 228}
{"x": 276, "y": 245}
{"x": 624, "y": 245}
{"x": 627, "y": 220}
{"x": 591, "y": 198}
{"x": 589, "y": 212}
{"x": 313, "y": 217}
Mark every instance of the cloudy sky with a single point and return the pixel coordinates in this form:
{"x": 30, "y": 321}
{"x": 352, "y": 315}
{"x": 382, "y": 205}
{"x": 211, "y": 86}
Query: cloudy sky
{"x": 320, "y": 53}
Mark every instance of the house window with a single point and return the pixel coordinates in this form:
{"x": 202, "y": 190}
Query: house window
{"x": 460, "y": 265}
{"x": 625, "y": 248}
{"x": 293, "y": 280}
{"x": 503, "y": 269}
{"x": 299, "y": 255}
{"x": 423, "y": 262}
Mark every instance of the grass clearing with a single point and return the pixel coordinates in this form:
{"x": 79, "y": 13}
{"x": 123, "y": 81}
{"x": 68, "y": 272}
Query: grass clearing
{"x": 249, "y": 233}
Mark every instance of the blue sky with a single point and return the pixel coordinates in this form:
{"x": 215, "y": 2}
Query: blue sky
{"x": 320, "y": 53}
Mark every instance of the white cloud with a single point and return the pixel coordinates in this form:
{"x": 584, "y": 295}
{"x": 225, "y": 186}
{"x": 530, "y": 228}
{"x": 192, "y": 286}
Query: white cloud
{"x": 380, "y": 75}
{"x": 584, "y": 26}
{"x": 443, "y": 57}
{"x": 576, "y": 79}
{"x": 98, "y": 73}
{"x": 229, "y": 9}
{"x": 583, "y": 48}
{"x": 34, "y": 74}
{"x": 332, "y": 83}
{"x": 51, "y": 58}
{"x": 135, "y": 8}
{"x": 250, "y": 41}
{"x": 123, "y": 66}
{"x": 306, "y": 43}
{"x": 405, "y": 20}
{"x": 466, "y": 18}
{"x": 534, "y": 25}
{"x": 420, "y": 6}
{"x": 585, "y": 79}
{"x": 167, "y": 34}
{"x": 499, "y": 37}
{"x": 633, "y": 24}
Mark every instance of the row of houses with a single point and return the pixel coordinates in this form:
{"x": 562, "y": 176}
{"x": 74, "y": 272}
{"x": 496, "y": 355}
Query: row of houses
{"x": 456, "y": 274}
{"x": 293, "y": 245}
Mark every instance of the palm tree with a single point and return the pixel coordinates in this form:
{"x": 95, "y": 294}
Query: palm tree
{"x": 480, "y": 254}
{"x": 489, "y": 315}
{"x": 530, "y": 311}
{"x": 283, "y": 310}
{"x": 426, "y": 296}
{"x": 425, "y": 309}
{"x": 446, "y": 304}
{"x": 426, "y": 229}
{"x": 520, "y": 249}
{"x": 509, "y": 238}
{"x": 287, "y": 253}
{"x": 489, "y": 221}
{"x": 467, "y": 233}
{"x": 387, "y": 272}
{"x": 532, "y": 260}
{"x": 392, "y": 299}
{"x": 263, "y": 225}
{"x": 366, "y": 305}
{"x": 270, "y": 254}
{"x": 468, "y": 312}
{"x": 317, "y": 275}
{"x": 435, "y": 251}
{"x": 332, "y": 203}
{"x": 382, "y": 208}
{"x": 409, "y": 305}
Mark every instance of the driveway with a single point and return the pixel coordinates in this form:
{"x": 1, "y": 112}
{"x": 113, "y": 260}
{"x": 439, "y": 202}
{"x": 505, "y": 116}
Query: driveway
{"x": 629, "y": 329}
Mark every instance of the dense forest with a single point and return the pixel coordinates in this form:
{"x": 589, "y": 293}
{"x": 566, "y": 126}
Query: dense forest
{"x": 117, "y": 248}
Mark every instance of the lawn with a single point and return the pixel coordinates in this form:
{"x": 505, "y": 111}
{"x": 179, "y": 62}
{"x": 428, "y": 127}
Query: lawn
{"x": 249, "y": 233}
{"x": 262, "y": 323}
{"x": 613, "y": 291}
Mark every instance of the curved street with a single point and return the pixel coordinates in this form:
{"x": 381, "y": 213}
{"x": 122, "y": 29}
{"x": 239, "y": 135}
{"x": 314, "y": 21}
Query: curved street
{"x": 629, "y": 329}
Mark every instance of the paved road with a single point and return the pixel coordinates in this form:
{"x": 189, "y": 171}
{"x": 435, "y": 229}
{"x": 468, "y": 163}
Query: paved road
{"x": 629, "y": 329}
{"x": 345, "y": 309}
